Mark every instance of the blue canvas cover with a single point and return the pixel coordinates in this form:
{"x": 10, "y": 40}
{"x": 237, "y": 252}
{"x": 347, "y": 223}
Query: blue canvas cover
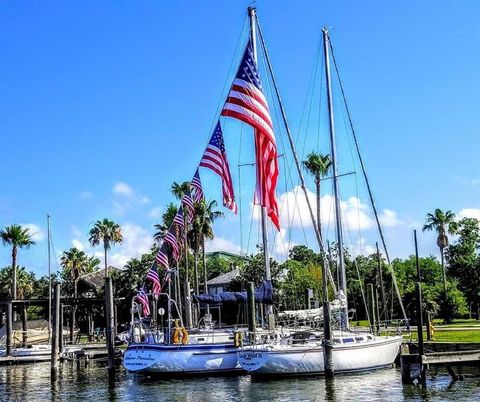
{"x": 263, "y": 294}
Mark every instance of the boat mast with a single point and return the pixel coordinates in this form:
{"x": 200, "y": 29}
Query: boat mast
{"x": 338, "y": 213}
{"x": 266, "y": 257}
{"x": 49, "y": 281}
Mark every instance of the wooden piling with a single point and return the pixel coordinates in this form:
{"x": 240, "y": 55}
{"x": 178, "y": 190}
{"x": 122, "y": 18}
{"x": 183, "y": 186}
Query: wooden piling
{"x": 55, "y": 327}
{"x": 8, "y": 325}
{"x": 251, "y": 310}
{"x": 110, "y": 320}
{"x": 60, "y": 329}
{"x": 371, "y": 307}
{"x": 24, "y": 326}
{"x": 327, "y": 341}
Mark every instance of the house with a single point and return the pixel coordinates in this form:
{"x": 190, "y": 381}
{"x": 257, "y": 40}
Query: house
{"x": 220, "y": 283}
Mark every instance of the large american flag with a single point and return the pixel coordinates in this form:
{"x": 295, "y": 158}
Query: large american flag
{"x": 215, "y": 158}
{"x": 246, "y": 102}
{"x": 171, "y": 238}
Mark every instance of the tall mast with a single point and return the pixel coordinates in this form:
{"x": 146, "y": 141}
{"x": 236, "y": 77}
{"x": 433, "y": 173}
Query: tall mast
{"x": 338, "y": 213}
{"x": 49, "y": 281}
{"x": 266, "y": 257}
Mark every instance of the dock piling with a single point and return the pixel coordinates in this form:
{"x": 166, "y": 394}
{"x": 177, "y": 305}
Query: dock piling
{"x": 110, "y": 321}
{"x": 8, "y": 328}
{"x": 55, "y": 326}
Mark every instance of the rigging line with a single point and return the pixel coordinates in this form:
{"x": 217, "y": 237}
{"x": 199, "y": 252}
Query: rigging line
{"x": 372, "y": 201}
{"x": 320, "y": 98}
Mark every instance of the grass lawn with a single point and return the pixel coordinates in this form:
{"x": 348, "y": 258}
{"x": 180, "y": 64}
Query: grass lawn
{"x": 472, "y": 336}
{"x": 458, "y": 323}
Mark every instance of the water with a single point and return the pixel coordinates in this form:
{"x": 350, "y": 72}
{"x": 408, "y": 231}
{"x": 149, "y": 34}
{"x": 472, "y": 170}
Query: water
{"x": 33, "y": 383}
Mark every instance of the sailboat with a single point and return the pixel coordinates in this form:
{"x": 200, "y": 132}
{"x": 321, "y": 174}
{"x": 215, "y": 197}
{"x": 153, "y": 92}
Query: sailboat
{"x": 209, "y": 351}
{"x": 316, "y": 352}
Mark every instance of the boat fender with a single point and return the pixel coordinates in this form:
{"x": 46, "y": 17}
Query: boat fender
{"x": 177, "y": 332}
{"x": 184, "y": 336}
{"x": 238, "y": 339}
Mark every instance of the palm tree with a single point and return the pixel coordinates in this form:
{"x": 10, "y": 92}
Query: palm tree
{"x": 17, "y": 237}
{"x": 75, "y": 263}
{"x": 318, "y": 166}
{"x": 206, "y": 218}
{"x": 109, "y": 233}
{"x": 167, "y": 220}
{"x": 442, "y": 223}
{"x": 179, "y": 189}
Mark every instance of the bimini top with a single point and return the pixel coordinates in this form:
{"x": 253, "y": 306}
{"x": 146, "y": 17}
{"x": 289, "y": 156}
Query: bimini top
{"x": 263, "y": 294}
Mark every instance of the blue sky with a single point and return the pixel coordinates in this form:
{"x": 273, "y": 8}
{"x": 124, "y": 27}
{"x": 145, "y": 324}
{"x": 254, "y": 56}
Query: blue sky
{"x": 103, "y": 105}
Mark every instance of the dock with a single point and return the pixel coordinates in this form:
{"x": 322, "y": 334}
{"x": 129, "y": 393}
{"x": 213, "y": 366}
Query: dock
{"x": 448, "y": 354}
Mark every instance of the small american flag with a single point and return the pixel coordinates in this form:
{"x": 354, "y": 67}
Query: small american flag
{"x": 197, "y": 185}
{"x": 215, "y": 158}
{"x": 171, "y": 239}
{"x": 162, "y": 258}
{"x": 152, "y": 275}
{"x": 179, "y": 218}
{"x": 246, "y": 102}
{"x": 188, "y": 202}
{"x": 143, "y": 299}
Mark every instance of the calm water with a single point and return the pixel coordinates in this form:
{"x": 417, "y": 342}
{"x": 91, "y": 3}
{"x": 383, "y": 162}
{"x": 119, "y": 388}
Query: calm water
{"x": 32, "y": 383}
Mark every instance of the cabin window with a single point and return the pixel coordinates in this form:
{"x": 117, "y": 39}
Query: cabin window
{"x": 201, "y": 339}
{"x": 359, "y": 339}
{"x": 336, "y": 340}
{"x": 348, "y": 340}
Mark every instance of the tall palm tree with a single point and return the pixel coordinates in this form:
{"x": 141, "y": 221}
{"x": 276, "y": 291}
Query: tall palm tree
{"x": 179, "y": 189}
{"x": 17, "y": 237}
{"x": 109, "y": 233}
{"x": 443, "y": 223}
{"x": 318, "y": 166}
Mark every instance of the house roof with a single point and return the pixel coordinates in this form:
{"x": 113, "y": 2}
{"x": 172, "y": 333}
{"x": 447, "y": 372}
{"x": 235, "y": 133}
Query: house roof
{"x": 224, "y": 278}
{"x": 95, "y": 280}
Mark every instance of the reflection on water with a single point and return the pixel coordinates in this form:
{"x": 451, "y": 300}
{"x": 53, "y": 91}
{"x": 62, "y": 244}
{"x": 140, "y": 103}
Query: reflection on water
{"x": 33, "y": 383}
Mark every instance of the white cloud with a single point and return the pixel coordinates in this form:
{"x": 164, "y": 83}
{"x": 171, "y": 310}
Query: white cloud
{"x": 281, "y": 244}
{"x": 78, "y": 244}
{"x": 123, "y": 189}
{"x": 222, "y": 244}
{"x": 35, "y": 231}
{"x": 136, "y": 241}
{"x": 145, "y": 200}
{"x": 85, "y": 195}
{"x": 361, "y": 247}
{"x": 389, "y": 218}
{"x": 294, "y": 211}
{"x": 469, "y": 213}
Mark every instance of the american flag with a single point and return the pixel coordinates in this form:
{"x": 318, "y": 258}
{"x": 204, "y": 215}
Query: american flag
{"x": 143, "y": 299}
{"x": 246, "y": 102}
{"x": 162, "y": 258}
{"x": 152, "y": 275}
{"x": 179, "y": 218}
{"x": 188, "y": 202}
{"x": 197, "y": 185}
{"x": 171, "y": 239}
{"x": 215, "y": 158}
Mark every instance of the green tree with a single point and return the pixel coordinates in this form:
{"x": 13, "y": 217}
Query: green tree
{"x": 443, "y": 223}
{"x": 25, "y": 281}
{"x": 318, "y": 166}
{"x": 17, "y": 237}
{"x": 107, "y": 232}
{"x": 463, "y": 258}
{"x": 167, "y": 220}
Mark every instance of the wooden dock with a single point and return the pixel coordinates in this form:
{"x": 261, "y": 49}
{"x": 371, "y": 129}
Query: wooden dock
{"x": 414, "y": 366}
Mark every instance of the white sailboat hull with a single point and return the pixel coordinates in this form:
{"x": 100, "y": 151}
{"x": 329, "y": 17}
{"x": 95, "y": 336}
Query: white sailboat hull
{"x": 181, "y": 359}
{"x": 309, "y": 359}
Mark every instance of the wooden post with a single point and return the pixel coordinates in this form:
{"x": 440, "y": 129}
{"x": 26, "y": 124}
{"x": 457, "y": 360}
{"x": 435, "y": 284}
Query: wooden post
{"x": 429, "y": 329}
{"x": 371, "y": 306}
{"x": 72, "y": 322}
{"x": 55, "y": 327}
{"x": 110, "y": 320}
{"x": 115, "y": 312}
{"x": 251, "y": 310}
{"x": 8, "y": 325}
{"x": 418, "y": 290}
{"x": 24, "y": 325}
{"x": 60, "y": 329}
{"x": 327, "y": 341}
{"x": 377, "y": 310}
